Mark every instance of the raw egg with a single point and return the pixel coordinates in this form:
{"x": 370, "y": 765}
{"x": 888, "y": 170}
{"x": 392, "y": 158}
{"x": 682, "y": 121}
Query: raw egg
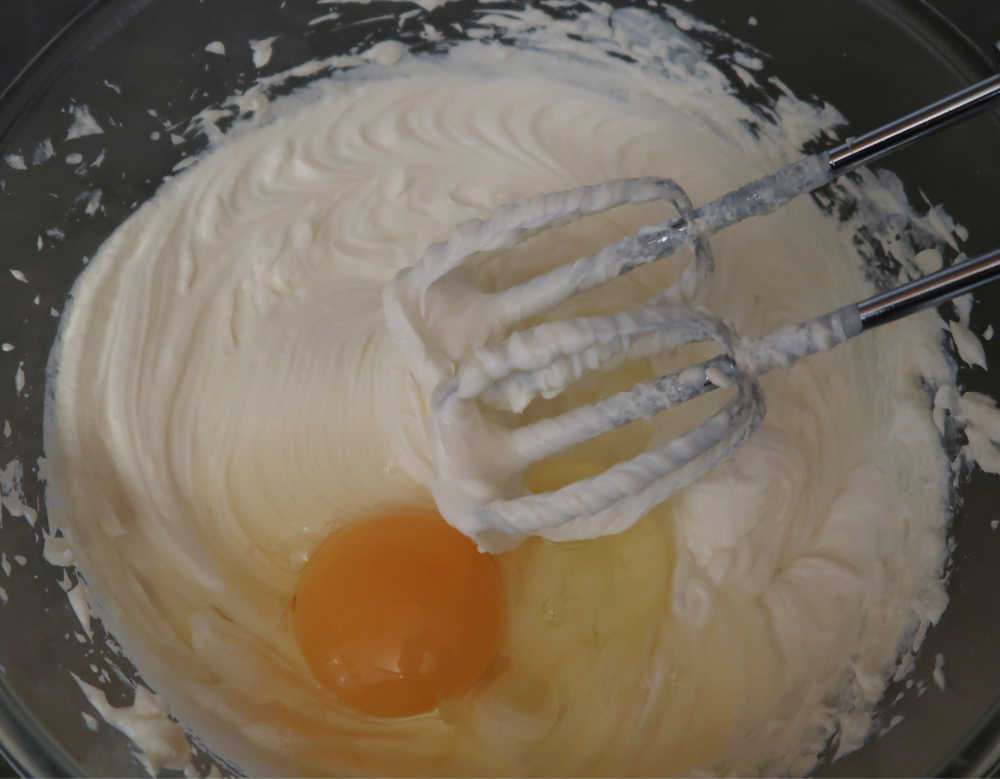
{"x": 398, "y": 612}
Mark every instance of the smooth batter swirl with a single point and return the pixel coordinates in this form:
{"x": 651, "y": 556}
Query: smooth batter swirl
{"x": 227, "y": 393}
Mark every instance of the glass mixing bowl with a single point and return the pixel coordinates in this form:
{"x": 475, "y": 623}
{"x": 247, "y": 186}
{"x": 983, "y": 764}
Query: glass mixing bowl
{"x": 144, "y": 63}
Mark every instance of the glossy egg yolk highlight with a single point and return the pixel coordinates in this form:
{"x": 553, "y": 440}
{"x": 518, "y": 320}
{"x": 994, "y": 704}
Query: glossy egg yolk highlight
{"x": 398, "y": 612}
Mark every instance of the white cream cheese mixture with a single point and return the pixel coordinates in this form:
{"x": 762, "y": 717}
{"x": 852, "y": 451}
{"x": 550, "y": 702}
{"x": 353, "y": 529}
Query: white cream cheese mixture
{"x": 227, "y": 392}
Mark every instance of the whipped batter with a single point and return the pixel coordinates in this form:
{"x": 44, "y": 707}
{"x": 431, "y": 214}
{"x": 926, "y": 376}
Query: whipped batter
{"x": 227, "y": 392}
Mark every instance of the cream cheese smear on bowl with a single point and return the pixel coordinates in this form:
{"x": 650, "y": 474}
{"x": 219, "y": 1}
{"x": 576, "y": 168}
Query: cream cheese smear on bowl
{"x": 226, "y": 394}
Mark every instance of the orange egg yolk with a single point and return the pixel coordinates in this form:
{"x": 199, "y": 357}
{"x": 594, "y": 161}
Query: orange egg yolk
{"x": 398, "y": 612}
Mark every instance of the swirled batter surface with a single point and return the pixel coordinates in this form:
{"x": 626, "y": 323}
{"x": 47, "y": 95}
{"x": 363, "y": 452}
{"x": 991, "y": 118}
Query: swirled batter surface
{"x": 227, "y": 394}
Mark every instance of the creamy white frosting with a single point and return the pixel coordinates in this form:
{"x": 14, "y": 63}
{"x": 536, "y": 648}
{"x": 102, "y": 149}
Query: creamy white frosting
{"x": 227, "y": 392}
{"x": 445, "y": 327}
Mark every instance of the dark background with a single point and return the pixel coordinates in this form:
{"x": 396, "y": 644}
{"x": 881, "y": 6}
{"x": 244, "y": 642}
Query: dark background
{"x": 26, "y": 25}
